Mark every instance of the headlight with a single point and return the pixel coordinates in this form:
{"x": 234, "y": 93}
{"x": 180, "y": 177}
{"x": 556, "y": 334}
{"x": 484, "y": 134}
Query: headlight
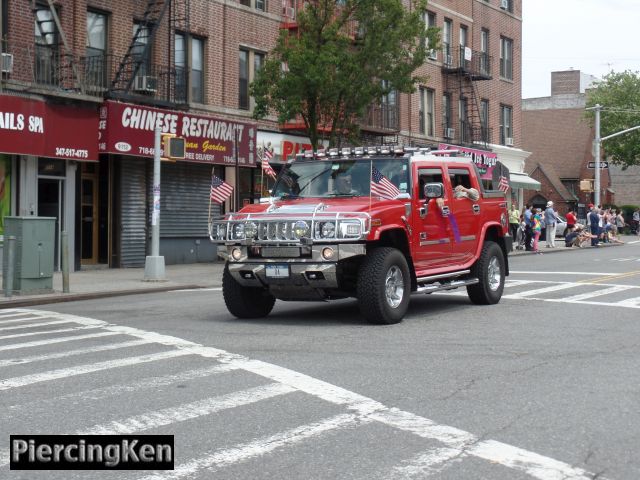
{"x": 218, "y": 231}
{"x": 350, "y": 229}
{"x": 250, "y": 230}
{"x": 301, "y": 229}
{"x": 238, "y": 231}
{"x": 327, "y": 230}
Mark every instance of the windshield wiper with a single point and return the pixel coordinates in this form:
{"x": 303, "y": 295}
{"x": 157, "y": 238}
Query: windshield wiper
{"x": 342, "y": 194}
{"x": 289, "y": 195}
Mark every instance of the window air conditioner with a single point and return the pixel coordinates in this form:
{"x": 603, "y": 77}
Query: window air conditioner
{"x": 7, "y": 63}
{"x": 508, "y": 142}
{"x": 504, "y": 4}
{"x": 448, "y": 59}
{"x": 290, "y": 12}
{"x": 433, "y": 54}
{"x": 449, "y": 132}
{"x": 145, "y": 84}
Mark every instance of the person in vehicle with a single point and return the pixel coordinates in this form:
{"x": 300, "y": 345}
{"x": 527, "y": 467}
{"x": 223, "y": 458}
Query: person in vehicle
{"x": 342, "y": 185}
{"x": 463, "y": 192}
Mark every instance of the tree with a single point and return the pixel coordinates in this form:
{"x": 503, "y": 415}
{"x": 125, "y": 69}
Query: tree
{"x": 344, "y": 56}
{"x": 619, "y": 95}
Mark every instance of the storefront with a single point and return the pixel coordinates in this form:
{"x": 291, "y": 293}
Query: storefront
{"x": 222, "y": 147}
{"x": 42, "y": 145}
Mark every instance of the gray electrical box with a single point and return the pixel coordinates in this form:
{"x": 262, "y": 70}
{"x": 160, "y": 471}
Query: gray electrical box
{"x": 33, "y": 254}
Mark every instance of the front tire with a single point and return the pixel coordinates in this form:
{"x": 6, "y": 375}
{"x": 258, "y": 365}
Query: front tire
{"x": 245, "y": 302}
{"x": 489, "y": 269}
{"x": 384, "y": 286}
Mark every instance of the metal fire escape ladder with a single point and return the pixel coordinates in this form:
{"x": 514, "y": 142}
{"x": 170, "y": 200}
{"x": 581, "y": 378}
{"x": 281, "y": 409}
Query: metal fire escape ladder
{"x": 67, "y": 50}
{"x": 140, "y": 45}
{"x": 477, "y": 129}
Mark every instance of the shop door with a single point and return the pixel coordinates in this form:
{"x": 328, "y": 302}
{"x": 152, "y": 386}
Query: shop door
{"x": 89, "y": 216}
{"x": 50, "y": 195}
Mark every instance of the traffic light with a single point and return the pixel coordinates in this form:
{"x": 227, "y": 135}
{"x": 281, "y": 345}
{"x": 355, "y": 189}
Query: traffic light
{"x": 586, "y": 185}
{"x": 173, "y": 147}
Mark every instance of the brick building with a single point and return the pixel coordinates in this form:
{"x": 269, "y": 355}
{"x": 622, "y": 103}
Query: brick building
{"x": 560, "y": 139}
{"x": 100, "y": 73}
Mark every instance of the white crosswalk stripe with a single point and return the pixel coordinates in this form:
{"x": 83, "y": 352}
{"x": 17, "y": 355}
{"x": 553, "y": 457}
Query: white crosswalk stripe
{"x": 453, "y": 444}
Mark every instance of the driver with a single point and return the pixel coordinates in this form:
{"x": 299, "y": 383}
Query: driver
{"x": 342, "y": 185}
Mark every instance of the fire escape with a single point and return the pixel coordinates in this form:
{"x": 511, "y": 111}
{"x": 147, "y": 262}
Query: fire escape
{"x": 462, "y": 68}
{"x": 137, "y": 78}
{"x": 380, "y": 123}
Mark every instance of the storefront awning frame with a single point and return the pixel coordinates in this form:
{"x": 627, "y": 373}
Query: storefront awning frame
{"x": 522, "y": 180}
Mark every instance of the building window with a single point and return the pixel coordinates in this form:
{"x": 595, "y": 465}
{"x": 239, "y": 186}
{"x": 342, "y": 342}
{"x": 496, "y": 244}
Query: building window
{"x": 506, "y": 5}
{"x": 430, "y": 22}
{"x": 446, "y": 116}
{"x": 249, "y": 64}
{"x": 465, "y": 134}
{"x": 257, "y": 4}
{"x": 571, "y": 185}
{"x": 484, "y": 52}
{"x": 138, "y": 50}
{"x": 427, "y": 108}
{"x": 46, "y": 47}
{"x": 446, "y": 41}
{"x": 189, "y": 64}
{"x": 506, "y": 58}
{"x": 506, "y": 125}
{"x": 484, "y": 120}
{"x": 96, "y": 62}
{"x": 389, "y": 108}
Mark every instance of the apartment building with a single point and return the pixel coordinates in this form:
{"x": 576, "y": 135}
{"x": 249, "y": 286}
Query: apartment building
{"x": 83, "y": 83}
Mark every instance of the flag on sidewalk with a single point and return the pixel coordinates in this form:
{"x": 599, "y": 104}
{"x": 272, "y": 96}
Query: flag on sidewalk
{"x": 220, "y": 190}
{"x": 503, "y": 183}
{"x": 381, "y": 186}
{"x": 267, "y": 155}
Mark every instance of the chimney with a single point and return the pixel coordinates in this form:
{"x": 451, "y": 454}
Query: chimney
{"x": 565, "y": 82}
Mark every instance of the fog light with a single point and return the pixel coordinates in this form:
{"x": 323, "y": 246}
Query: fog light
{"x": 327, "y": 253}
{"x": 236, "y": 253}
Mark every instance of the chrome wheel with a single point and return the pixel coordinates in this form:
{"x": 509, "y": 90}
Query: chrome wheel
{"x": 494, "y": 274}
{"x": 394, "y": 287}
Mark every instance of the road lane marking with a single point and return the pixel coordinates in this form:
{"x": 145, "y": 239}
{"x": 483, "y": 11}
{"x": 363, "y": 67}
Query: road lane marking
{"x": 34, "y": 325}
{"x": 44, "y": 332}
{"x": 363, "y": 410}
{"x": 531, "y": 293}
{"x": 88, "y": 368}
{"x": 428, "y": 463}
{"x": 614, "y": 277}
{"x": 260, "y": 446}
{"x": 118, "y": 389}
{"x": 50, "y": 341}
{"x": 70, "y": 353}
{"x": 561, "y": 273}
{"x": 212, "y": 289}
{"x": 597, "y": 293}
{"x": 16, "y": 320}
{"x": 189, "y": 411}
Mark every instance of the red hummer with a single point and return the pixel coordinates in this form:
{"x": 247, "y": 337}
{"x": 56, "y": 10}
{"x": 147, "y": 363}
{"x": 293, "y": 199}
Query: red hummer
{"x": 376, "y": 224}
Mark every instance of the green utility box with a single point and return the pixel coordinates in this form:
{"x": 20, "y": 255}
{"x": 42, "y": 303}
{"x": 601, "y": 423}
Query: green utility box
{"x": 33, "y": 253}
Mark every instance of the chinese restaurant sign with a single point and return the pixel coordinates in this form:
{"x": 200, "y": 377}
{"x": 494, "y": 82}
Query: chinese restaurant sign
{"x": 129, "y": 130}
{"x": 484, "y": 160}
{"x": 32, "y": 127}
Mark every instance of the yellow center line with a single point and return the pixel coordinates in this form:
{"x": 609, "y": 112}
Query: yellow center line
{"x": 610, "y": 277}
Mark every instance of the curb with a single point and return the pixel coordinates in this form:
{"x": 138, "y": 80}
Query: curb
{"x": 73, "y": 297}
{"x": 517, "y": 253}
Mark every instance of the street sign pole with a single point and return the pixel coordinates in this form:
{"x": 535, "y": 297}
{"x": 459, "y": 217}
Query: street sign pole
{"x": 596, "y": 181}
{"x": 154, "y": 263}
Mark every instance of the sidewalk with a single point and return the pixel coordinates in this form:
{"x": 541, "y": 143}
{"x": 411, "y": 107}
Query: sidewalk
{"x": 111, "y": 282}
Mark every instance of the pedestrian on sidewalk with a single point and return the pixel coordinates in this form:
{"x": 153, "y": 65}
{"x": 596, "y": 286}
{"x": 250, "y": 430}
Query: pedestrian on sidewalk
{"x": 514, "y": 220}
{"x": 620, "y": 223}
{"x": 528, "y": 223}
{"x": 635, "y": 221}
{"x": 571, "y": 221}
{"x": 550, "y": 220}
{"x": 594, "y": 226}
{"x": 536, "y": 228}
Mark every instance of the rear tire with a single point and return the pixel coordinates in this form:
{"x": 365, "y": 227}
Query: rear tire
{"x": 489, "y": 269}
{"x": 384, "y": 286}
{"x": 245, "y": 302}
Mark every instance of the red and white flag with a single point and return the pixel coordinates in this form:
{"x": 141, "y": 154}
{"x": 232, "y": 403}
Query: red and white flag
{"x": 381, "y": 186}
{"x": 503, "y": 183}
{"x": 266, "y": 168}
{"x": 220, "y": 190}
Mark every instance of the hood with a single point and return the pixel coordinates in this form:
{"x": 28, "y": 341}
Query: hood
{"x": 306, "y": 206}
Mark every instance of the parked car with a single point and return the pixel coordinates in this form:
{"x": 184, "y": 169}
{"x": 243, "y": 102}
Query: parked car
{"x": 561, "y": 226}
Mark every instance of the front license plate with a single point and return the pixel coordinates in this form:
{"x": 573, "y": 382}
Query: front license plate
{"x": 277, "y": 271}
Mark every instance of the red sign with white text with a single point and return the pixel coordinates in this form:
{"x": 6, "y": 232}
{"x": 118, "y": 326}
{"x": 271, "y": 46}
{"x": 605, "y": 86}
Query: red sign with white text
{"x": 32, "y": 127}
{"x": 128, "y": 129}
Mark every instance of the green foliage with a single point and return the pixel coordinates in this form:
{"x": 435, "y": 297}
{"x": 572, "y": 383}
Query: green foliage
{"x": 344, "y": 56}
{"x": 619, "y": 95}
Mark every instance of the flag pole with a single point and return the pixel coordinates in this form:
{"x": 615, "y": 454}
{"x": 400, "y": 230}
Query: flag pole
{"x": 262, "y": 171}
{"x": 236, "y": 197}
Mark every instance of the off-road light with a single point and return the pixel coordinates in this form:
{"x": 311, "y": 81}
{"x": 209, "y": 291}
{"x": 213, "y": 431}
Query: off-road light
{"x": 328, "y": 230}
{"x": 358, "y": 151}
{"x": 334, "y": 152}
{"x": 238, "y": 231}
{"x": 327, "y": 253}
{"x": 250, "y": 230}
{"x": 346, "y": 151}
{"x": 300, "y": 229}
{"x": 236, "y": 254}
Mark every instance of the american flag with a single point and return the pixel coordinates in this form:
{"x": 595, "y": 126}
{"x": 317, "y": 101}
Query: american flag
{"x": 503, "y": 183}
{"x": 220, "y": 190}
{"x": 266, "y": 168}
{"x": 381, "y": 186}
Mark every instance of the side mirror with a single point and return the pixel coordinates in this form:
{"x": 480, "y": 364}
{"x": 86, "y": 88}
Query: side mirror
{"x": 434, "y": 190}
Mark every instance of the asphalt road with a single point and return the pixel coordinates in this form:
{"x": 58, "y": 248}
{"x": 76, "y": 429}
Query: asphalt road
{"x": 544, "y": 385}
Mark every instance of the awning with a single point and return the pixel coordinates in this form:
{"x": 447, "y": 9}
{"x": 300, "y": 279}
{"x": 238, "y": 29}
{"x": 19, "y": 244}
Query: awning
{"x": 522, "y": 180}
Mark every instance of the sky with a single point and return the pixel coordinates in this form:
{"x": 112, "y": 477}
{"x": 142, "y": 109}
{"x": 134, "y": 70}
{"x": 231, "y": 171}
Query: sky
{"x": 593, "y": 36}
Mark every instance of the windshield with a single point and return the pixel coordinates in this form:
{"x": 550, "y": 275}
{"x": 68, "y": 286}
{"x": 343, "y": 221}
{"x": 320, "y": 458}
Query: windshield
{"x": 344, "y": 178}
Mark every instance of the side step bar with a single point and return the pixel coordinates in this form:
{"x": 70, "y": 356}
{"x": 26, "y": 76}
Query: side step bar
{"x": 436, "y": 287}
